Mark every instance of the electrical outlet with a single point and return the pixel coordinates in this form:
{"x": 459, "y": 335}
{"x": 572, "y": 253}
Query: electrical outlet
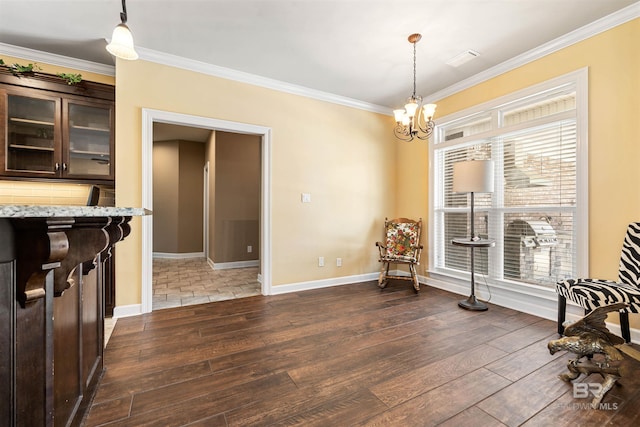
{"x": 321, "y": 261}
{"x": 249, "y": 249}
{"x": 338, "y": 262}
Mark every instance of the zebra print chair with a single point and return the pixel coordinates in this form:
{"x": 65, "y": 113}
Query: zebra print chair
{"x": 593, "y": 293}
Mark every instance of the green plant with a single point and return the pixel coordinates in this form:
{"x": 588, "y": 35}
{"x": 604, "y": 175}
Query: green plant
{"x": 70, "y": 78}
{"x": 17, "y": 69}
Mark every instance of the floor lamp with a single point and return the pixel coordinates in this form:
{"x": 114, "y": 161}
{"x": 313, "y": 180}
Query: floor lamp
{"x": 473, "y": 176}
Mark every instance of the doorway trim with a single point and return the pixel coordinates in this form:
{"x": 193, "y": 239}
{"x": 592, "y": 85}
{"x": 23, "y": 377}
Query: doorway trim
{"x": 205, "y": 211}
{"x": 149, "y": 116}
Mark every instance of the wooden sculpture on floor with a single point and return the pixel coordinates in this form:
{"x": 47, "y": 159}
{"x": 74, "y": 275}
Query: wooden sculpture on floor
{"x": 589, "y": 337}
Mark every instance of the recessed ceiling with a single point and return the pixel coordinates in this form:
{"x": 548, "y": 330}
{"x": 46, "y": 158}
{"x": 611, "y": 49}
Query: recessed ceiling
{"x": 352, "y": 48}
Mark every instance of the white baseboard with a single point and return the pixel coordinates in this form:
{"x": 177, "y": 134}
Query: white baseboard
{"x": 127, "y": 310}
{"x": 538, "y": 301}
{"x": 167, "y": 255}
{"x": 325, "y": 283}
{"x": 234, "y": 264}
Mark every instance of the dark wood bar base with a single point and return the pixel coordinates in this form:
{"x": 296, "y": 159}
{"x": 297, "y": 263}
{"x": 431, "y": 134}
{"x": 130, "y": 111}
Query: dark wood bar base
{"x": 52, "y": 273}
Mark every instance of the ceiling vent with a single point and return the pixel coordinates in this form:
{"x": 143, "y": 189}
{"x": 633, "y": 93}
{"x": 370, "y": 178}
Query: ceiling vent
{"x": 463, "y": 58}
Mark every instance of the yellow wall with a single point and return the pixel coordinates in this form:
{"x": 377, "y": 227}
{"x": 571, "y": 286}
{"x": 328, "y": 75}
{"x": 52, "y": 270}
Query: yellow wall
{"x": 613, "y": 60}
{"x": 412, "y": 199}
{"x": 343, "y": 156}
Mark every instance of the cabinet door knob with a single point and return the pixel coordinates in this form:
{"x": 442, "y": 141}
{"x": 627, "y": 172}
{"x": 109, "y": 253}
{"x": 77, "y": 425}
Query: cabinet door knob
{"x": 64, "y": 166}
{"x": 57, "y": 166}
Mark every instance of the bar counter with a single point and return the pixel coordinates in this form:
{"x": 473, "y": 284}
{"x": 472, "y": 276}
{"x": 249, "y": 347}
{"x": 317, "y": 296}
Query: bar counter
{"x": 52, "y": 279}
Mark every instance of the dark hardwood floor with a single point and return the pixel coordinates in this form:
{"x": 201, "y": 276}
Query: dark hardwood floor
{"x": 345, "y": 356}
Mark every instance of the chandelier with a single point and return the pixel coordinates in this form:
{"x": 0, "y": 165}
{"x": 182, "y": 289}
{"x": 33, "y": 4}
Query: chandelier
{"x": 414, "y": 121}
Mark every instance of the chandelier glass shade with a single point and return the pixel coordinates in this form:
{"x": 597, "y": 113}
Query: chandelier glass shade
{"x": 121, "y": 44}
{"x": 414, "y": 120}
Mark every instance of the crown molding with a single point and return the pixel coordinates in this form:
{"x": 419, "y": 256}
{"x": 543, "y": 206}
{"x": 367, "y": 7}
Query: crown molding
{"x": 191, "y": 65}
{"x": 596, "y": 27}
{"x": 253, "y": 79}
{"x": 606, "y": 23}
{"x": 53, "y": 59}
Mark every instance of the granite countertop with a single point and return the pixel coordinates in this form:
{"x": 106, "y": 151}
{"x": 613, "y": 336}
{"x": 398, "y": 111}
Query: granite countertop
{"x": 39, "y": 211}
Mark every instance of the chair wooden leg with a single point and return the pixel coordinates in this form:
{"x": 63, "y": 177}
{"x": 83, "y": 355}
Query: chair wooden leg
{"x": 624, "y": 326}
{"x": 384, "y": 271}
{"x": 414, "y": 276}
{"x": 562, "y": 310}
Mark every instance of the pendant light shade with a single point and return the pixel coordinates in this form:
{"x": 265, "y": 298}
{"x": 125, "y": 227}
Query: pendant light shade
{"x": 121, "y": 44}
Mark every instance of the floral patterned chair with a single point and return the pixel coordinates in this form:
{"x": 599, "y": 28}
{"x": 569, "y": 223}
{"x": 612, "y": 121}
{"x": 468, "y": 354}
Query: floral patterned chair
{"x": 401, "y": 246}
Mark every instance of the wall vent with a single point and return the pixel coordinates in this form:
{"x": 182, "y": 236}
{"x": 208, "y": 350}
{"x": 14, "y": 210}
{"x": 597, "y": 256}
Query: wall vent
{"x": 454, "y": 136}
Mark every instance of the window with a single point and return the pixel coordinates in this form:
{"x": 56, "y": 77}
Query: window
{"x": 537, "y": 213}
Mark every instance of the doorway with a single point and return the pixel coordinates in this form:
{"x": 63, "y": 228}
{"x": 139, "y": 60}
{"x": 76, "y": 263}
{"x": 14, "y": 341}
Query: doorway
{"x": 149, "y": 117}
{"x": 184, "y": 192}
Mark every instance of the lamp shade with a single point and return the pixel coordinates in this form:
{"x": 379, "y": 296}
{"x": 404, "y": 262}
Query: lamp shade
{"x": 473, "y": 176}
{"x": 122, "y": 43}
{"x": 429, "y": 110}
{"x": 411, "y": 108}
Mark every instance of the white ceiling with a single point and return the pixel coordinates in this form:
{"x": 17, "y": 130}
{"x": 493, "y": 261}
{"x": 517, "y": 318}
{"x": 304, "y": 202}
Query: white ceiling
{"x": 352, "y": 48}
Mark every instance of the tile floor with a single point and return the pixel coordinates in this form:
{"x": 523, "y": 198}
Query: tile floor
{"x": 180, "y": 282}
{"x": 109, "y": 325}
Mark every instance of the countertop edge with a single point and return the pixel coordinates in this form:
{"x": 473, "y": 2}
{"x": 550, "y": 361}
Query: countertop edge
{"x": 41, "y": 211}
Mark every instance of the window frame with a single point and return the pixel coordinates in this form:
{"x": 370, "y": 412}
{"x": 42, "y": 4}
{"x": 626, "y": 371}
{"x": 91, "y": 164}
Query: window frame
{"x": 577, "y": 78}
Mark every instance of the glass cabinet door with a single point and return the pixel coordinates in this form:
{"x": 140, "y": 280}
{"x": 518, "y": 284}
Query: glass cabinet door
{"x": 89, "y": 140}
{"x": 32, "y": 137}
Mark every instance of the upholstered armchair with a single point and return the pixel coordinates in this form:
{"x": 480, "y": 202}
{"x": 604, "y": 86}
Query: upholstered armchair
{"x": 401, "y": 246}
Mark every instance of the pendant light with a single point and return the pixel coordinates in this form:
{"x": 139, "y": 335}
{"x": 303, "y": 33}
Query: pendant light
{"x": 415, "y": 120}
{"x": 121, "y": 44}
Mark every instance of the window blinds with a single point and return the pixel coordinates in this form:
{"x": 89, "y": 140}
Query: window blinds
{"x": 533, "y": 144}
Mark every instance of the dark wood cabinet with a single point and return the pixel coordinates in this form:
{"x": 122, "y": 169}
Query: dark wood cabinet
{"x": 51, "y": 315}
{"x": 52, "y": 130}
{"x": 109, "y": 280}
